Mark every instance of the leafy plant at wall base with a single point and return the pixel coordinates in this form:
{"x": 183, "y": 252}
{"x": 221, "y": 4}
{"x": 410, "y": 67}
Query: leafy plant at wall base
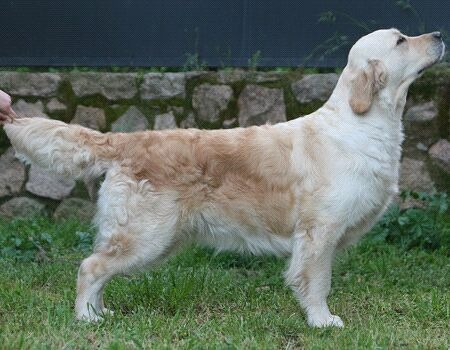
{"x": 84, "y": 242}
{"x": 40, "y": 238}
{"x": 34, "y": 247}
{"x": 427, "y": 227}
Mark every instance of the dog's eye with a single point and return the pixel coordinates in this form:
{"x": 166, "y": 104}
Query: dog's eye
{"x": 400, "y": 40}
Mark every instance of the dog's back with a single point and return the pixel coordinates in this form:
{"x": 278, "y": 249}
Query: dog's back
{"x": 220, "y": 176}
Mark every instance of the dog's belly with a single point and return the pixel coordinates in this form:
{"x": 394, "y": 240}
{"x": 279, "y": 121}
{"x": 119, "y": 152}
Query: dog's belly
{"x": 225, "y": 234}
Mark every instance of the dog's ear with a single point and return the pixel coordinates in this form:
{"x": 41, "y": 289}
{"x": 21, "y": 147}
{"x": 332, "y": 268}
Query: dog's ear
{"x": 365, "y": 85}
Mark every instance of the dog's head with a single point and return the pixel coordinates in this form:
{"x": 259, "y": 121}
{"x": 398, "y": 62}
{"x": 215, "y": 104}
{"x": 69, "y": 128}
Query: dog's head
{"x": 388, "y": 59}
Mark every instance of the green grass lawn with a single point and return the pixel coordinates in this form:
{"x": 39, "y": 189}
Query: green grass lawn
{"x": 388, "y": 297}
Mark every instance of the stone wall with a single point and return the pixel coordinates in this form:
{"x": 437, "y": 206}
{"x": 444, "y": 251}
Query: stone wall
{"x": 225, "y": 99}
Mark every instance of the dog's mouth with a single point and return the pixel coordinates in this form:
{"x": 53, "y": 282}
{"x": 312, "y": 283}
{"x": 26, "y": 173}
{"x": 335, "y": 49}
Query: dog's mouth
{"x": 420, "y": 71}
{"x": 429, "y": 64}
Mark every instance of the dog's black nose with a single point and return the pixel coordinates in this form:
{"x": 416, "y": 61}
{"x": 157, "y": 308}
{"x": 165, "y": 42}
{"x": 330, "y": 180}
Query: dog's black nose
{"x": 437, "y": 35}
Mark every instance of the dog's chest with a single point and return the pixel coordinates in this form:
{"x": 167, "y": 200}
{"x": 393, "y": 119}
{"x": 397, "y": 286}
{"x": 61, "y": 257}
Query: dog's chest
{"x": 369, "y": 182}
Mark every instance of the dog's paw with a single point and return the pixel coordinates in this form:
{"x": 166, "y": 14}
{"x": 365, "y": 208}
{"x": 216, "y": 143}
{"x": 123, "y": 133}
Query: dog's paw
{"x": 93, "y": 316}
{"x": 90, "y": 317}
{"x": 330, "y": 321}
{"x": 107, "y": 312}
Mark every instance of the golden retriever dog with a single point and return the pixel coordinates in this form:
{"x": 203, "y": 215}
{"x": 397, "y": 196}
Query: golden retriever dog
{"x": 302, "y": 189}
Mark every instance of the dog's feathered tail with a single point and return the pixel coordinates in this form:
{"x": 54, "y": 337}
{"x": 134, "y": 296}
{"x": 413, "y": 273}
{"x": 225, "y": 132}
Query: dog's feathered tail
{"x": 69, "y": 150}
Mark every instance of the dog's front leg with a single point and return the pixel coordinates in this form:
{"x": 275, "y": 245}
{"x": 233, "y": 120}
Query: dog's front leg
{"x": 309, "y": 274}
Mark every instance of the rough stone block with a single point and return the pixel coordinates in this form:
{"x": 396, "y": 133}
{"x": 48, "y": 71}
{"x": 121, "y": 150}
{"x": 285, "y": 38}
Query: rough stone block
{"x": 259, "y": 105}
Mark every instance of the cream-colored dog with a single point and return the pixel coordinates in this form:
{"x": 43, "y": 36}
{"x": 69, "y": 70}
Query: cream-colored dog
{"x": 302, "y": 189}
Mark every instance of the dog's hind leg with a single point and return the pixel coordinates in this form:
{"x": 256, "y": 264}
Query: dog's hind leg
{"x": 142, "y": 238}
{"x": 309, "y": 275}
{"x": 137, "y": 228}
{"x": 121, "y": 253}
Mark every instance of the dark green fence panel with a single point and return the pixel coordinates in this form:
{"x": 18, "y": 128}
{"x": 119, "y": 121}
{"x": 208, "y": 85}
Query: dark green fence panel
{"x": 216, "y": 32}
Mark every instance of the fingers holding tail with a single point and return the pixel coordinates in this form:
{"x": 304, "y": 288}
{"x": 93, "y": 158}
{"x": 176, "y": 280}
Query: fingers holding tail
{"x": 7, "y": 115}
{"x": 69, "y": 150}
{"x": 66, "y": 149}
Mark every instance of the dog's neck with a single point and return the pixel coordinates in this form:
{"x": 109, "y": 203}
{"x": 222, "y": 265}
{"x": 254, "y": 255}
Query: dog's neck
{"x": 381, "y": 123}
{"x": 388, "y": 102}
{"x": 395, "y": 97}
